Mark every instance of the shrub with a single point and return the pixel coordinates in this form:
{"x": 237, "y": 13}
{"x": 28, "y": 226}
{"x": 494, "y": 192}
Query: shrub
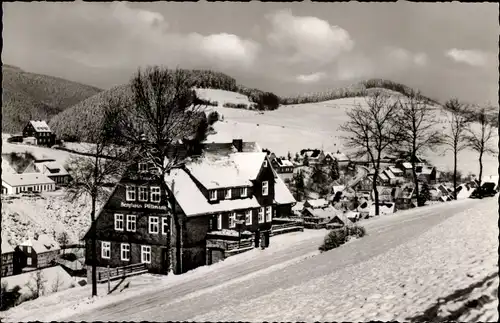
{"x": 337, "y": 237}
{"x": 213, "y": 117}
{"x": 9, "y": 298}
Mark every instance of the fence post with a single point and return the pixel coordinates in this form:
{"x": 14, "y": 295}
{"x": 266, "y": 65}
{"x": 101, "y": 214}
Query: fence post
{"x": 109, "y": 284}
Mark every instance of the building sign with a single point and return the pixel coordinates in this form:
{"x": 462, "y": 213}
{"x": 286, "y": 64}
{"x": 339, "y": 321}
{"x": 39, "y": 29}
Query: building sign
{"x": 143, "y": 206}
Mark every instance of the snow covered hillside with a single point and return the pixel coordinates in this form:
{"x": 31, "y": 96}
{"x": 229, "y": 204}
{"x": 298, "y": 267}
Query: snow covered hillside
{"x": 222, "y": 96}
{"x": 315, "y": 125}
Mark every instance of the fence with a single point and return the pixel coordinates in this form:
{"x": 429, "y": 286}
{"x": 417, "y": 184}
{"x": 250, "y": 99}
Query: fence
{"x": 243, "y": 244}
{"x": 120, "y": 272}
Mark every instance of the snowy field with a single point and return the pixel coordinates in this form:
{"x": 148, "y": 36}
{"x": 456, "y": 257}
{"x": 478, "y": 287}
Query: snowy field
{"x": 315, "y": 125}
{"x": 39, "y": 152}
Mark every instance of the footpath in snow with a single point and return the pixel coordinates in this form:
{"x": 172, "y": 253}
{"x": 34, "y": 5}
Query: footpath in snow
{"x": 448, "y": 273}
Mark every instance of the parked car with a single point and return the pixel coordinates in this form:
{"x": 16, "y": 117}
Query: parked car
{"x": 487, "y": 190}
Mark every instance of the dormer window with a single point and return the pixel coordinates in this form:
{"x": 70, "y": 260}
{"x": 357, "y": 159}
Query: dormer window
{"x": 213, "y": 195}
{"x": 265, "y": 163}
{"x": 130, "y": 195}
{"x": 228, "y": 193}
{"x": 244, "y": 192}
{"x": 143, "y": 167}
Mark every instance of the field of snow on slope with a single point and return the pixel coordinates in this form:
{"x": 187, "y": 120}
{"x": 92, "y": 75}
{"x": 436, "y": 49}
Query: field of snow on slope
{"x": 222, "y": 96}
{"x": 315, "y": 125}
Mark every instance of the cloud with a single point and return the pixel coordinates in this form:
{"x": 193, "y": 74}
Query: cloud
{"x": 468, "y": 56}
{"x": 350, "y": 67}
{"x": 309, "y": 39}
{"x": 310, "y": 78}
{"x": 405, "y": 58}
{"x": 117, "y": 35}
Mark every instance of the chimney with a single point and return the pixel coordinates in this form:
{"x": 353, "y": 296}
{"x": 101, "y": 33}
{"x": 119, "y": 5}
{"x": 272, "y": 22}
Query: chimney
{"x": 238, "y": 144}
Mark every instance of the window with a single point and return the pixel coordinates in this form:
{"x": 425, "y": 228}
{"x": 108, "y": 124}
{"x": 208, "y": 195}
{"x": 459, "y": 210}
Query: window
{"x": 213, "y": 195}
{"x": 219, "y": 222}
{"x": 269, "y": 215}
{"x": 248, "y": 217}
{"x": 261, "y": 215}
{"x": 119, "y": 222}
{"x": 125, "y": 251}
{"x": 265, "y": 188}
{"x": 265, "y": 162}
{"x": 232, "y": 220}
{"x": 143, "y": 194}
{"x": 228, "y": 193}
{"x": 105, "y": 250}
{"x": 146, "y": 254}
{"x": 243, "y": 192}
{"x": 155, "y": 194}
{"x": 153, "y": 224}
{"x": 143, "y": 167}
{"x": 28, "y": 249}
{"x": 131, "y": 222}
{"x": 164, "y": 225}
{"x": 130, "y": 193}
{"x": 28, "y": 261}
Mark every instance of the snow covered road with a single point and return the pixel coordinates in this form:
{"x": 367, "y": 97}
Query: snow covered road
{"x": 365, "y": 276}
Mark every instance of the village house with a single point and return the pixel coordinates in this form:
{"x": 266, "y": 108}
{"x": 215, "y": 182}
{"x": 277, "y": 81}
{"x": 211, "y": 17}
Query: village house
{"x": 29, "y": 182}
{"x": 316, "y": 204}
{"x": 341, "y": 158}
{"x": 282, "y": 166}
{"x": 37, "y": 132}
{"x": 38, "y": 252}
{"x": 229, "y": 193}
{"x": 7, "y": 258}
{"x": 328, "y": 217}
{"x": 54, "y": 171}
{"x": 313, "y": 156}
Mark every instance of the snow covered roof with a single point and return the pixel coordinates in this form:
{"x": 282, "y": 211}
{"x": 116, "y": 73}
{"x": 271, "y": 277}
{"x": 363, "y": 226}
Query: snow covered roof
{"x": 6, "y": 247}
{"x": 395, "y": 170}
{"x": 26, "y": 179}
{"x": 343, "y": 218}
{"x": 383, "y": 176}
{"x": 389, "y": 174}
{"x": 326, "y": 213}
{"x": 52, "y": 168}
{"x": 237, "y": 169}
{"x": 286, "y": 163}
{"x": 282, "y": 194}
{"x": 338, "y": 188}
{"x": 44, "y": 243}
{"x": 299, "y": 206}
{"x": 340, "y": 157}
{"x": 407, "y": 165}
{"x": 40, "y": 126}
{"x": 318, "y": 203}
{"x": 193, "y": 202}
{"x": 7, "y": 168}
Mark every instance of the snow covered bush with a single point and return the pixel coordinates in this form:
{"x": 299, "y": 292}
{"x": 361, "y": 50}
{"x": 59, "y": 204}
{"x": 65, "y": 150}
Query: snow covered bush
{"x": 337, "y": 237}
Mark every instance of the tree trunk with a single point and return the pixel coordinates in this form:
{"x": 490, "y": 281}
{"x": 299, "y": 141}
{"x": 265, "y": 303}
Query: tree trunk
{"x": 415, "y": 182}
{"x": 375, "y": 192}
{"x": 94, "y": 247}
{"x": 455, "y": 173}
{"x": 480, "y": 174}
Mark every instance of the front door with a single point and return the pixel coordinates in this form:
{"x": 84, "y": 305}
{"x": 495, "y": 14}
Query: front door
{"x": 164, "y": 260}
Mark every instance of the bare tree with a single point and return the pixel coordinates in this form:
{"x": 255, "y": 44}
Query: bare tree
{"x": 416, "y": 120}
{"x": 63, "y": 240}
{"x": 459, "y": 119}
{"x": 372, "y": 130}
{"x": 164, "y": 118}
{"x": 37, "y": 287}
{"x": 479, "y": 135}
{"x": 56, "y": 284}
{"x": 106, "y": 162}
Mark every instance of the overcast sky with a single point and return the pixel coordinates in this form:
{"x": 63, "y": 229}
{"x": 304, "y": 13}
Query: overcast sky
{"x": 445, "y": 49}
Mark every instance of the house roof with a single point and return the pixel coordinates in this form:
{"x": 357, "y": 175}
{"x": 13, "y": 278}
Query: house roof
{"x": 53, "y": 168}
{"x": 299, "y": 206}
{"x": 282, "y": 194}
{"x": 193, "y": 202}
{"x": 286, "y": 163}
{"x": 6, "y": 247}
{"x": 406, "y": 165}
{"x": 40, "y": 126}
{"x": 340, "y": 157}
{"x": 383, "y": 176}
{"x": 389, "y": 174}
{"x": 7, "y": 168}
{"x": 237, "y": 169}
{"x": 26, "y": 179}
{"x": 44, "y": 243}
{"x": 317, "y": 203}
{"x": 326, "y": 213}
{"x": 395, "y": 170}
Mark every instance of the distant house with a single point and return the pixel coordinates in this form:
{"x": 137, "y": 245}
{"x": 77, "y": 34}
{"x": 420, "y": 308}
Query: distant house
{"x": 54, "y": 171}
{"x": 39, "y": 252}
{"x": 328, "y": 217}
{"x": 314, "y": 156}
{"x": 38, "y": 132}
{"x": 397, "y": 172}
{"x": 282, "y": 166}
{"x": 7, "y": 257}
{"x": 29, "y": 182}
{"x": 297, "y": 208}
{"x": 316, "y": 204}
